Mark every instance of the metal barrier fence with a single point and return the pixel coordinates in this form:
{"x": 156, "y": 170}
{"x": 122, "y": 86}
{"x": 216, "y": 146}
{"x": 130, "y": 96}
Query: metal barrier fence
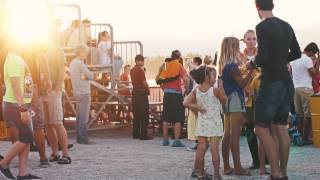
{"x": 127, "y": 50}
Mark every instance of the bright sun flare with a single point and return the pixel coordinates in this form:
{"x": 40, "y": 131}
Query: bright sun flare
{"x": 28, "y": 21}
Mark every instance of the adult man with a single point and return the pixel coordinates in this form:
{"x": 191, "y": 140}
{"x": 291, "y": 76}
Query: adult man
{"x": 16, "y": 109}
{"x": 277, "y": 45}
{"x": 140, "y": 102}
{"x": 37, "y": 61}
{"x": 170, "y": 75}
{"x": 52, "y": 103}
{"x": 80, "y": 76}
{"x": 302, "y": 73}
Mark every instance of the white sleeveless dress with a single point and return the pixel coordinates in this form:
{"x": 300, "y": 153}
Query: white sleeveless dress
{"x": 209, "y": 124}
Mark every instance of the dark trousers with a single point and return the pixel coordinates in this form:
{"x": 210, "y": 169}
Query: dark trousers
{"x": 251, "y": 137}
{"x": 140, "y": 107}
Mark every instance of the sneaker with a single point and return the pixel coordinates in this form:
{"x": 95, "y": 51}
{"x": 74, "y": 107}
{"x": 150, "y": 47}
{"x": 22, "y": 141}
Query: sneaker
{"x": 193, "y": 147}
{"x": 44, "y": 164}
{"x": 177, "y": 143}
{"x": 87, "y": 142}
{"x": 165, "y": 142}
{"x": 28, "y": 176}
{"x": 6, "y": 173}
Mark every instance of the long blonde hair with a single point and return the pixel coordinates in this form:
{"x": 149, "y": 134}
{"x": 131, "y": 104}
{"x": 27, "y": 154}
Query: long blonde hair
{"x": 229, "y": 52}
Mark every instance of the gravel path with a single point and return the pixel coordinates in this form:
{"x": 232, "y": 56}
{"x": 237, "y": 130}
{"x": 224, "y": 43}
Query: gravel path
{"x": 116, "y": 156}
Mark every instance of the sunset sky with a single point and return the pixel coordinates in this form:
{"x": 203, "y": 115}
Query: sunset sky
{"x": 190, "y": 25}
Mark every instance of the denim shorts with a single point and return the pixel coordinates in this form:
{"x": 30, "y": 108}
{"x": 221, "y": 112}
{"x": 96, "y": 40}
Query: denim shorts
{"x": 234, "y": 104}
{"x": 273, "y": 102}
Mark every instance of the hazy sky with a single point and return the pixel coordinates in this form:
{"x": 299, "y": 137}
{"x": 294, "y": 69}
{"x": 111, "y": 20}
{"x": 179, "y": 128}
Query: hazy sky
{"x": 193, "y": 25}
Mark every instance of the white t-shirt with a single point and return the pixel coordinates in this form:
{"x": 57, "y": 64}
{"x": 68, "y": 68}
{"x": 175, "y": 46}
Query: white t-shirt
{"x": 300, "y": 73}
{"x": 103, "y": 52}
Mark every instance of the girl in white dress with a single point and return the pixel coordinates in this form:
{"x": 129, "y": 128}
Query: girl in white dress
{"x": 206, "y": 101}
{"x": 104, "y": 48}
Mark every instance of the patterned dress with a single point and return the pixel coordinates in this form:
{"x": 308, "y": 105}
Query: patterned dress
{"x": 209, "y": 124}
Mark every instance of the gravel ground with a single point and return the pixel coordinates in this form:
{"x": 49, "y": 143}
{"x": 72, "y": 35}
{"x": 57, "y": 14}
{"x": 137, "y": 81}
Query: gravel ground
{"x": 116, "y": 156}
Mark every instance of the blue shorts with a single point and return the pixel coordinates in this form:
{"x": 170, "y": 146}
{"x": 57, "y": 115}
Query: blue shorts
{"x": 273, "y": 103}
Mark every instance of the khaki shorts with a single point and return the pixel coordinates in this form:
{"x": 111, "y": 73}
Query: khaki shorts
{"x": 302, "y": 101}
{"x": 52, "y": 106}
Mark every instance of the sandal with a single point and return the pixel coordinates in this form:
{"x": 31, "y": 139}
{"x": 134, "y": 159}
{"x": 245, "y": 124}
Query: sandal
{"x": 54, "y": 158}
{"x": 205, "y": 177}
{"x": 64, "y": 160}
{"x": 229, "y": 172}
{"x": 243, "y": 172}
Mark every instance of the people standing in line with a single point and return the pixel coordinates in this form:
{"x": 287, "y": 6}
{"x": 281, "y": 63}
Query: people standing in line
{"x": 80, "y": 76}
{"x": 234, "y": 83}
{"x": 277, "y": 46}
{"x": 171, "y": 77}
{"x": 140, "y": 101}
{"x": 52, "y": 104}
{"x": 37, "y": 61}
{"x": 192, "y": 117}
{"x": 249, "y": 54}
{"x": 207, "y": 101}
{"x": 303, "y": 71}
{"x": 16, "y": 109}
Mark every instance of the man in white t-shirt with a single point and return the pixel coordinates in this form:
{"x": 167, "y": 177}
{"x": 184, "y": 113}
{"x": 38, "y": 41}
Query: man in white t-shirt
{"x": 302, "y": 72}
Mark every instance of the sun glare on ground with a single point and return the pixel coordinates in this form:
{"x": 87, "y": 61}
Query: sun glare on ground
{"x": 28, "y": 21}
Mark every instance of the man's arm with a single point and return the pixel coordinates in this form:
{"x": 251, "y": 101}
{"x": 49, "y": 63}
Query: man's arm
{"x": 295, "y": 52}
{"x": 84, "y": 69}
{"x": 263, "y": 47}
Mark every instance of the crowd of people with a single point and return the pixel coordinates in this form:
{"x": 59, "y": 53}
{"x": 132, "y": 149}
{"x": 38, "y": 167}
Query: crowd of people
{"x": 251, "y": 91}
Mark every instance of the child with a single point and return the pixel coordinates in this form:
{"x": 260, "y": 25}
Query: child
{"x": 104, "y": 48}
{"x": 207, "y": 100}
{"x": 234, "y": 84}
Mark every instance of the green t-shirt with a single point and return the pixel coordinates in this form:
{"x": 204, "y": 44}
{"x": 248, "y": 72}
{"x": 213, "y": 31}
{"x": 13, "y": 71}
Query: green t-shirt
{"x": 15, "y": 66}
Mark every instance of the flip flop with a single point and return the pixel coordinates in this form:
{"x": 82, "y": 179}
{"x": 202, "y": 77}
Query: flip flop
{"x": 244, "y": 172}
{"x": 229, "y": 172}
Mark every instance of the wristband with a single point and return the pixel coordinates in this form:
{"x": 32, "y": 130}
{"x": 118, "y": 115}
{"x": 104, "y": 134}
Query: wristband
{"x": 23, "y": 108}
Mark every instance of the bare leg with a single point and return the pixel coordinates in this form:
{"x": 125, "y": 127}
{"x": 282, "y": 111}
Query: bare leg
{"x": 215, "y": 156}
{"x": 269, "y": 145}
{"x": 40, "y": 140}
{"x": 284, "y": 147}
{"x": 15, "y": 149}
{"x": 226, "y": 145}
{"x": 199, "y": 161}
{"x": 52, "y": 138}
{"x": 63, "y": 139}
{"x": 23, "y": 159}
{"x": 14, "y": 134}
{"x": 177, "y": 130}
{"x": 236, "y": 122}
{"x": 262, "y": 159}
{"x": 165, "y": 130}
